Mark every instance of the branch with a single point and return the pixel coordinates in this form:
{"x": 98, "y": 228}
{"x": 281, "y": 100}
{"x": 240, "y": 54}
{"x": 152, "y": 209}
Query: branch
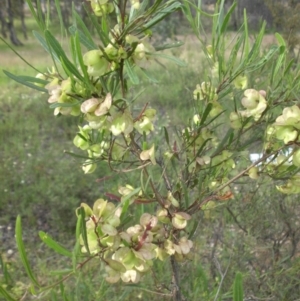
{"x": 263, "y": 158}
{"x": 176, "y": 293}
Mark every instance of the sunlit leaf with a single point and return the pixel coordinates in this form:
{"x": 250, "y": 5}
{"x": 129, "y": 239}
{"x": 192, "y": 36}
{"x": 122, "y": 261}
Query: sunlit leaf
{"x": 54, "y": 245}
{"x": 22, "y": 252}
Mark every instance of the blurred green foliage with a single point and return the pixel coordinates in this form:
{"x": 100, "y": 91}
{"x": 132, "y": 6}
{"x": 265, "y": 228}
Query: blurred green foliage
{"x": 257, "y": 233}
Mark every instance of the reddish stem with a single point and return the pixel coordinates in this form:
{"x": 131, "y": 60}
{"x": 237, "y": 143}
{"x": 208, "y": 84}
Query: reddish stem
{"x": 143, "y": 238}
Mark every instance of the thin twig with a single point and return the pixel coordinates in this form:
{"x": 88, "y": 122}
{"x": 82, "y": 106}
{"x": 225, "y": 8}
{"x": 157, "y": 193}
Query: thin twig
{"x": 263, "y": 158}
{"x": 235, "y": 220}
{"x": 222, "y": 276}
{"x": 176, "y": 293}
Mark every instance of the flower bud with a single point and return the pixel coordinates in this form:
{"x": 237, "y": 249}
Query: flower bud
{"x": 180, "y": 219}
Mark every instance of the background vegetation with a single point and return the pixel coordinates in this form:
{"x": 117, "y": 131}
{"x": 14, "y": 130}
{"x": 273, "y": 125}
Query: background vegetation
{"x": 256, "y": 233}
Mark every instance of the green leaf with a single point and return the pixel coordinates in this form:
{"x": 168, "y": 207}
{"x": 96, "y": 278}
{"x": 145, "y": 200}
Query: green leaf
{"x": 169, "y": 46}
{"x": 234, "y": 53}
{"x": 80, "y": 59}
{"x": 221, "y": 145}
{"x": 60, "y": 17}
{"x": 56, "y": 47}
{"x": 104, "y": 25}
{"x": 90, "y": 45}
{"x": 280, "y": 39}
{"x": 76, "y": 155}
{"x": 289, "y": 66}
{"x": 104, "y": 38}
{"x": 131, "y": 194}
{"x": 220, "y": 18}
{"x": 63, "y": 105}
{"x": 37, "y": 16}
{"x": 54, "y": 245}
{"x": 199, "y": 150}
{"x": 227, "y": 18}
{"x": 24, "y": 81}
{"x": 166, "y": 9}
{"x": 260, "y": 63}
{"x": 148, "y": 75}
{"x": 126, "y": 201}
{"x": 131, "y": 74}
{"x": 187, "y": 11}
{"x": 85, "y": 37}
{"x": 246, "y": 34}
{"x": 17, "y": 54}
{"x": 44, "y": 44}
{"x": 61, "y": 272}
{"x": 166, "y": 136}
{"x": 257, "y": 45}
{"x": 135, "y": 13}
{"x": 125, "y": 204}
{"x": 3, "y": 266}
{"x": 169, "y": 57}
{"x": 193, "y": 228}
{"x": 83, "y": 229}
{"x": 33, "y": 79}
{"x": 238, "y": 293}
{"x": 77, "y": 247}
{"x": 22, "y": 252}
{"x": 76, "y": 252}
{"x": 281, "y": 57}
{"x": 6, "y": 295}
{"x": 205, "y": 113}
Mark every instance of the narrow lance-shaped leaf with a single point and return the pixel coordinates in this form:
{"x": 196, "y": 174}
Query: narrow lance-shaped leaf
{"x": 162, "y": 13}
{"x": 256, "y": 46}
{"x": 167, "y": 136}
{"x": 83, "y": 229}
{"x": 77, "y": 247}
{"x": 221, "y": 145}
{"x": 104, "y": 38}
{"x": 246, "y": 47}
{"x": 238, "y": 293}
{"x": 60, "y": 17}
{"x": 131, "y": 73}
{"x": 5, "y": 294}
{"x": 56, "y": 47}
{"x": 220, "y": 17}
{"x": 73, "y": 50}
{"x": 22, "y": 252}
{"x": 85, "y": 34}
{"x": 169, "y": 46}
{"x": 26, "y": 62}
{"x": 126, "y": 201}
{"x": 260, "y": 63}
{"x": 54, "y": 245}
{"x": 39, "y": 21}
{"x": 3, "y": 267}
{"x": 234, "y": 53}
{"x": 148, "y": 75}
{"x": 168, "y": 57}
{"x": 75, "y": 254}
{"x": 21, "y": 80}
{"x": 82, "y": 38}
{"x": 199, "y": 150}
{"x": 205, "y": 114}
{"x": 135, "y": 13}
{"x": 282, "y": 54}
{"x": 44, "y": 44}
{"x": 125, "y": 204}
{"x": 80, "y": 59}
{"x": 227, "y": 18}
